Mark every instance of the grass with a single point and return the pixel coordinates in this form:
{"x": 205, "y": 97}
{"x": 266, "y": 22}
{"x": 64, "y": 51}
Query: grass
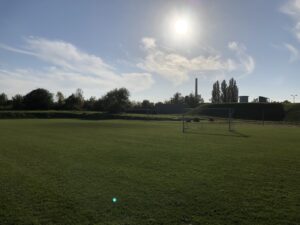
{"x": 87, "y": 115}
{"x": 68, "y": 172}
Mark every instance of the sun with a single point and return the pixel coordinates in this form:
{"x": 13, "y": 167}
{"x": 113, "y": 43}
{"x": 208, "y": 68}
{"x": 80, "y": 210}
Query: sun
{"x": 181, "y": 26}
{"x": 182, "y": 29}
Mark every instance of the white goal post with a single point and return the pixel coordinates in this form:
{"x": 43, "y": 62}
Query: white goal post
{"x": 209, "y": 116}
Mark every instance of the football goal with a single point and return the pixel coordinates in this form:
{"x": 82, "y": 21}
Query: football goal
{"x": 209, "y": 118}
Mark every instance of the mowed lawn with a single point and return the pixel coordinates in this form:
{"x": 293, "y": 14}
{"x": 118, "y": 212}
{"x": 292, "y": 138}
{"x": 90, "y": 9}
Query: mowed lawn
{"x": 68, "y": 172}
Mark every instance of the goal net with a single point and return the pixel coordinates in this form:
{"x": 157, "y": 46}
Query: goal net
{"x": 214, "y": 119}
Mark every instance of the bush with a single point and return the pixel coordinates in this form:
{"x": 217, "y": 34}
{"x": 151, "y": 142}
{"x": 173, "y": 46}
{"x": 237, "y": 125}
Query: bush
{"x": 3, "y": 99}
{"x": 196, "y": 120}
{"x": 17, "y": 102}
{"x": 40, "y": 99}
{"x": 116, "y": 101}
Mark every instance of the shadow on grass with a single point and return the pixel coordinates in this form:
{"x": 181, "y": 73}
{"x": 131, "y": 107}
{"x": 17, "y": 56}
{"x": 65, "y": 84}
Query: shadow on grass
{"x": 108, "y": 116}
{"x": 239, "y": 134}
{"x": 229, "y": 134}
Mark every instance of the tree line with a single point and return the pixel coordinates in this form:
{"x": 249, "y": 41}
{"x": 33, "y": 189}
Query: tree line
{"x": 189, "y": 101}
{"x": 225, "y": 93}
{"x": 114, "y": 101}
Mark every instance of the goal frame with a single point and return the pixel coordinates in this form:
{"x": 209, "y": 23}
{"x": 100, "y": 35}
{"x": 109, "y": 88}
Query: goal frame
{"x": 229, "y": 112}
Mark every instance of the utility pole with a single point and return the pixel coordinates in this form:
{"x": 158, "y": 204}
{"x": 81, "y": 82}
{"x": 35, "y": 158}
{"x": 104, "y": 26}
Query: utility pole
{"x": 229, "y": 119}
{"x": 183, "y": 125}
{"x": 263, "y": 117}
{"x": 294, "y": 96}
{"x": 196, "y": 88}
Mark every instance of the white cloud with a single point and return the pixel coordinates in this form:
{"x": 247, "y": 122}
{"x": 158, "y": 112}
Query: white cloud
{"x": 294, "y": 53}
{"x": 148, "y": 42}
{"x": 24, "y": 80}
{"x": 177, "y": 68}
{"x": 246, "y": 62}
{"x": 70, "y": 67}
{"x": 9, "y": 48}
{"x": 292, "y": 9}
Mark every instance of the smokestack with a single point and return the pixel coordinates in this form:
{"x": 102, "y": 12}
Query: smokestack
{"x": 196, "y": 87}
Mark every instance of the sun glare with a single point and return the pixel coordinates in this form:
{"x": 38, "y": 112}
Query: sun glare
{"x": 182, "y": 29}
{"x": 181, "y": 26}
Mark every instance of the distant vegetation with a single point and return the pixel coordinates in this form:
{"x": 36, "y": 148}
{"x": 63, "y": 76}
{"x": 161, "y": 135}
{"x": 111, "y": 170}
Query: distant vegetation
{"x": 114, "y": 101}
{"x": 118, "y": 101}
{"x": 225, "y": 93}
{"x": 292, "y": 112}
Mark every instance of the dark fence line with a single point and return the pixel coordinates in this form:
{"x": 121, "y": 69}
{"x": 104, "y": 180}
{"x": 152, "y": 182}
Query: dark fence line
{"x": 247, "y": 111}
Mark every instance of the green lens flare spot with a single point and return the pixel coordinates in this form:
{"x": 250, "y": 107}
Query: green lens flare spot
{"x": 114, "y": 200}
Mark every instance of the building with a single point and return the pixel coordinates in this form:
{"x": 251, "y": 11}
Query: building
{"x": 244, "y": 99}
{"x": 262, "y": 99}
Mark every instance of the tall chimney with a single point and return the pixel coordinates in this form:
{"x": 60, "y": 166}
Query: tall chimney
{"x": 196, "y": 87}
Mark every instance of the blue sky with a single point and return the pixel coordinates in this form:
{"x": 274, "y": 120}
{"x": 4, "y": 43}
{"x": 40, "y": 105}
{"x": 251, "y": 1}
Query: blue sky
{"x": 101, "y": 45}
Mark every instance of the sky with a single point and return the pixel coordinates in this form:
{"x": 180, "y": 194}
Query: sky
{"x": 154, "y": 48}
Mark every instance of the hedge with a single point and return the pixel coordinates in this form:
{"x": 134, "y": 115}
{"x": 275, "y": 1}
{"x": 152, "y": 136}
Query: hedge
{"x": 247, "y": 111}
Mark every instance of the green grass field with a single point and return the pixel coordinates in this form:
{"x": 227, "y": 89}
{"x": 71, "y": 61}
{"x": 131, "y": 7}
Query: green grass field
{"x": 68, "y": 172}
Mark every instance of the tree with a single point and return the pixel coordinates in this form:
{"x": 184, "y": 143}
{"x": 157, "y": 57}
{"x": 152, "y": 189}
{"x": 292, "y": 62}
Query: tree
{"x": 116, "y": 101}
{"x": 90, "y": 104}
{"x": 98, "y": 105}
{"x": 228, "y": 93}
{"x": 216, "y": 93}
{"x": 177, "y": 99}
{"x": 75, "y": 101}
{"x": 158, "y": 104}
{"x": 192, "y": 101}
{"x": 17, "y": 102}
{"x": 146, "y": 104}
{"x": 135, "y": 105}
{"x": 60, "y": 100}
{"x": 224, "y": 95}
{"x": 213, "y": 94}
{"x": 235, "y": 97}
{"x": 232, "y": 91}
{"x": 79, "y": 95}
{"x": 3, "y": 99}
{"x": 38, "y": 99}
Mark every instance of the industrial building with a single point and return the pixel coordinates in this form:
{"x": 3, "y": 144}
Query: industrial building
{"x": 262, "y": 99}
{"x": 243, "y": 99}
